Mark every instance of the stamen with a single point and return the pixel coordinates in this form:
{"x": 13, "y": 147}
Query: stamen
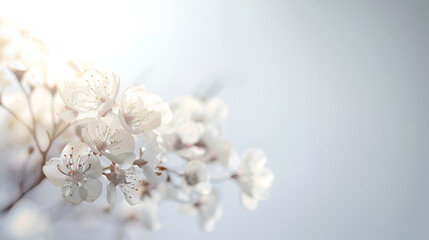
{"x": 61, "y": 171}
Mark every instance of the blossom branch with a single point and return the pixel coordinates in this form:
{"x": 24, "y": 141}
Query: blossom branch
{"x": 188, "y": 128}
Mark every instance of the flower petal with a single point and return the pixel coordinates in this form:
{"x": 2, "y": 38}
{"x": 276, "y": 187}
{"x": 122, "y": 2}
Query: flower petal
{"x": 125, "y": 125}
{"x": 249, "y": 202}
{"x": 88, "y": 139}
{"x": 52, "y": 172}
{"x": 254, "y": 159}
{"x": 111, "y": 194}
{"x": 75, "y": 149}
{"x": 130, "y": 194}
{"x": 112, "y": 120}
{"x": 189, "y": 133}
{"x": 123, "y": 159}
{"x": 125, "y": 142}
{"x": 70, "y": 192}
{"x": 94, "y": 170}
{"x": 105, "y": 107}
{"x": 67, "y": 115}
{"x": 153, "y": 177}
{"x": 93, "y": 187}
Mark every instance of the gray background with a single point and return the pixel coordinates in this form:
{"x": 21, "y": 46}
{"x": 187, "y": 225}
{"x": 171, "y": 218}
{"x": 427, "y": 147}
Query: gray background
{"x": 335, "y": 92}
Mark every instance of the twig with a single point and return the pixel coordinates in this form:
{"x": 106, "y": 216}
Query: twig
{"x": 21, "y": 183}
{"x": 44, "y": 153}
{"x": 37, "y": 182}
{"x": 173, "y": 171}
{"x": 224, "y": 178}
{"x": 15, "y": 116}
{"x": 62, "y": 131}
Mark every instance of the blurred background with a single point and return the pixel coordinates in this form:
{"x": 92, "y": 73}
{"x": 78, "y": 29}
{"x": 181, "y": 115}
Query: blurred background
{"x": 335, "y": 92}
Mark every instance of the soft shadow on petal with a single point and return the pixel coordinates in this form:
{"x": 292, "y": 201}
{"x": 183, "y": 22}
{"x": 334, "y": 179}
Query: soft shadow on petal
{"x": 123, "y": 159}
{"x": 94, "y": 170}
{"x": 70, "y": 192}
{"x": 125, "y": 141}
{"x": 94, "y": 188}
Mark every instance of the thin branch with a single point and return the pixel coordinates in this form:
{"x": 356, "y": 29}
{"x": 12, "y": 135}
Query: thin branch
{"x": 44, "y": 159}
{"x": 37, "y": 182}
{"x": 173, "y": 171}
{"x": 224, "y": 178}
{"x": 30, "y": 106}
{"x": 24, "y": 167}
{"x": 15, "y": 116}
{"x": 62, "y": 131}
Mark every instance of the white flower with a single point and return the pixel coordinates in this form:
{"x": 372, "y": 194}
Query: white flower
{"x": 191, "y": 117}
{"x": 184, "y": 139}
{"x": 25, "y": 222}
{"x": 217, "y": 149}
{"x": 199, "y": 110}
{"x": 151, "y": 156}
{"x": 196, "y": 178}
{"x": 208, "y": 209}
{"x": 210, "y": 147}
{"x": 154, "y": 151}
{"x": 254, "y": 178}
{"x": 77, "y": 172}
{"x": 197, "y": 134}
{"x": 128, "y": 181}
{"x": 90, "y": 94}
{"x": 141, "y": 111}
{"x": 115, "y": 144}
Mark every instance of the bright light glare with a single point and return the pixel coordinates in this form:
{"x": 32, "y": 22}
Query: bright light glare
{"x": 87, "y": 29}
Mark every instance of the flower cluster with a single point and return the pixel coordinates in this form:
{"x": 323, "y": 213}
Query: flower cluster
{"x": 87, "y": 135}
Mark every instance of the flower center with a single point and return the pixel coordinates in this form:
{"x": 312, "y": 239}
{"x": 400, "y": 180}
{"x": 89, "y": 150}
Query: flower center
{"x": 75, "y": 169}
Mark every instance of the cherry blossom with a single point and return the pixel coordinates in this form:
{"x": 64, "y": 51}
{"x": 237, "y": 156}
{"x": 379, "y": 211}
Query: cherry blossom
{"x": 141, "y": 111}
{"x": 91, "y": 93}
{"x": 114, "y": 143}
{"x": 77, "y": 172}
{"x": 128, "y": 181}
{"x": 196, "y": 131}
{"x": 65, "y": 119}
{"x": 196, "y": 177}
{"x": 254, "y": 178}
